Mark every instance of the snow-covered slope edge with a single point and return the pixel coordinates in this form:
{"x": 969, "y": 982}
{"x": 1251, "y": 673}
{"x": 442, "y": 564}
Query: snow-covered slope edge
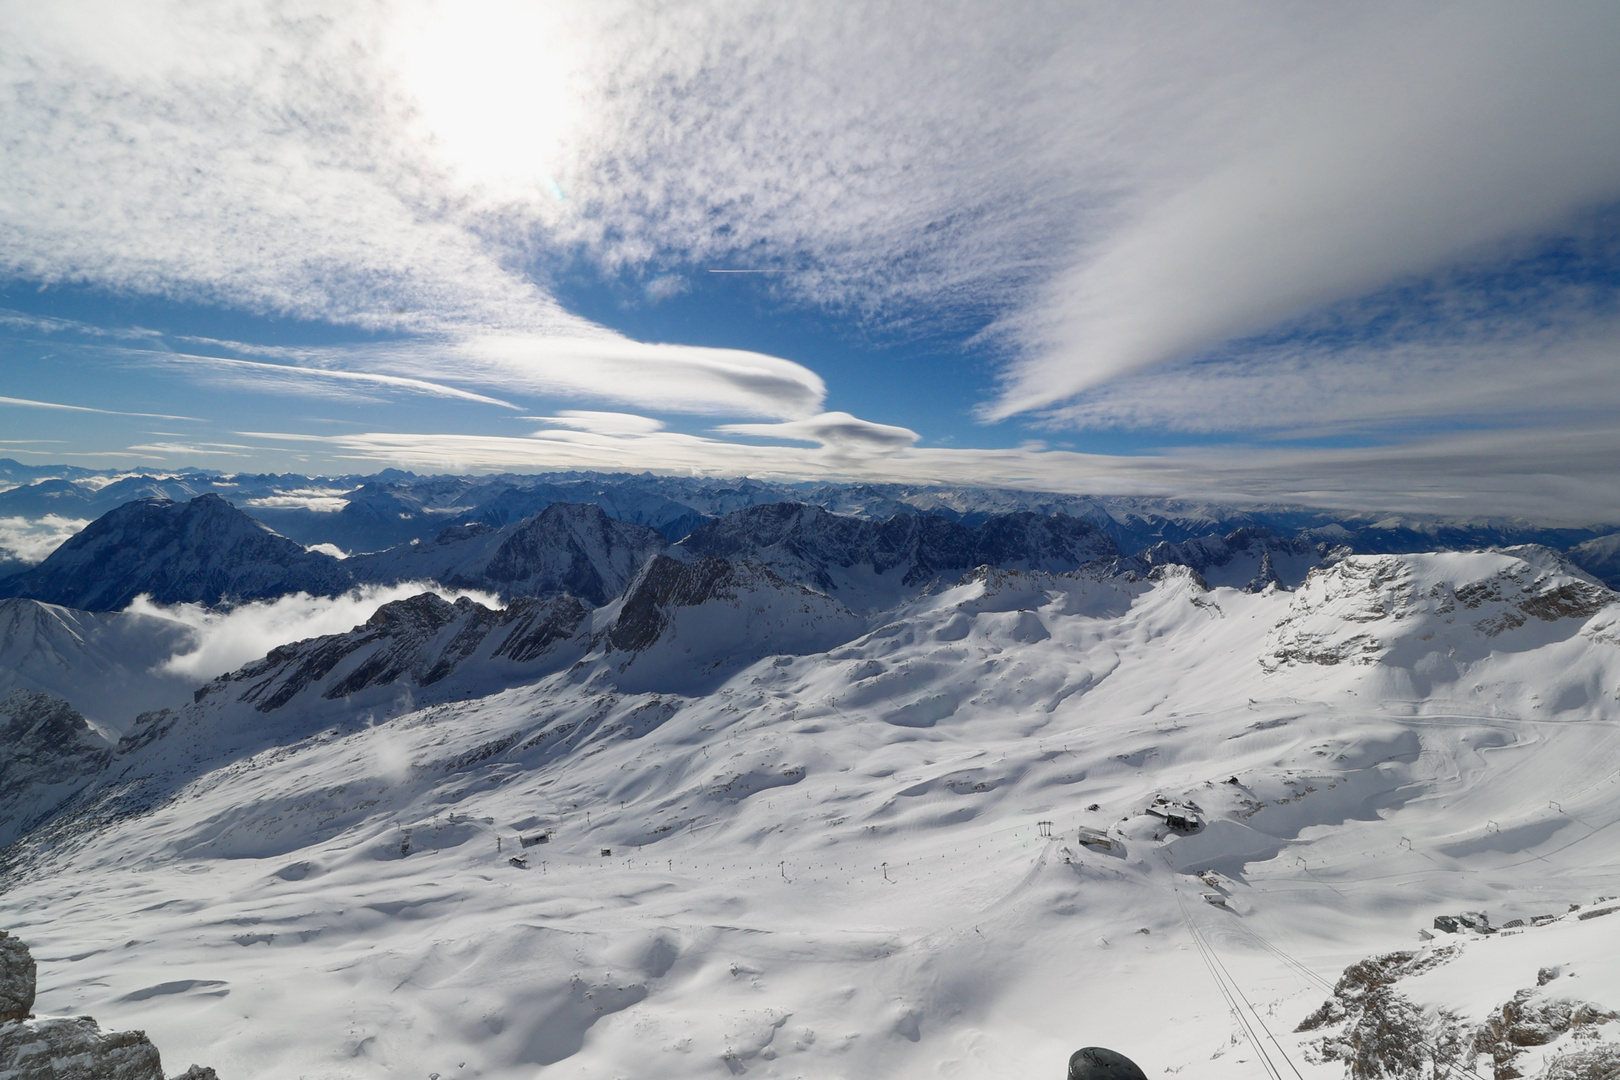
{"x": 944, "y": 846}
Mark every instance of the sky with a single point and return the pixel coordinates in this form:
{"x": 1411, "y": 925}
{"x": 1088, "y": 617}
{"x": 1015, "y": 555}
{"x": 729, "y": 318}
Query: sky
{"x": 1347, "y": 255}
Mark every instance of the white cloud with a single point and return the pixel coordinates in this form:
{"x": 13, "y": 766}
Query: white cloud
{"x": 322, "y": 382}
{"x": 671, "y": 378}
{"x": 1572, "y": 474}
{"x": 838, "y": 431}
{"x": 1114, "y": 187}
{"x": 29, "y": 540}
{"x": 29, "y": 403}
{"x": 605, "y": 423}
{"x": 599, "y": 367}
{"x": 225, "y": 640}
{"x": 1310, "y": 390}
{"x": 320, "y": 500}
{"x": 1423, "y": 139}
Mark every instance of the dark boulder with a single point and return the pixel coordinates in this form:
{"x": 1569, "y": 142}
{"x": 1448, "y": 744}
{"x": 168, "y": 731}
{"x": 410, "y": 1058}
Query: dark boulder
{"x": 1100, "y": 1063}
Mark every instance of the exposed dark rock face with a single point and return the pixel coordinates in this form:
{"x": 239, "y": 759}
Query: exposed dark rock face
{"x": 572, "y": 548}
{"x": 48, "y": 752}
{"x": 684, "y": 623}
{"x": 66, "y": 1047}
{"x": 672, "y": 519}
{"x": 809, "y": 546}
{"x": 1382, "y": 1033}
{"x": 1599, "y": 557}
{"x": 1246, "y": 548}
{"x": 202, "y": 551}
{"x": 1601, "y": 1062}
{"x": 418, "y": 641}
{"x": 665, "y": 584}
{"x": 75, "y": 1048}
{"x": 17, "y": 979}
{"x": 566, "y": 548}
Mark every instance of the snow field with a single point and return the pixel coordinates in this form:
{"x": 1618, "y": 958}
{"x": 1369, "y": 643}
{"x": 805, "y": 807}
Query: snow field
{"x": 837, "y": 864}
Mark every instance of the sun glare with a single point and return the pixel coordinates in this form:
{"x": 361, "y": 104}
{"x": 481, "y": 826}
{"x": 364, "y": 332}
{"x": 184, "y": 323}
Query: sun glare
{"x": 495, "y": 87}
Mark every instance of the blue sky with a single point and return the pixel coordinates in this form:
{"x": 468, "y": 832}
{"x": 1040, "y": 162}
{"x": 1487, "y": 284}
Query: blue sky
{"x": 1366, "y": 257}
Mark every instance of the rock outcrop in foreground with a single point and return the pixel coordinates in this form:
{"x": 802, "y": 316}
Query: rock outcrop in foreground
{"x": 66, "y": 1047}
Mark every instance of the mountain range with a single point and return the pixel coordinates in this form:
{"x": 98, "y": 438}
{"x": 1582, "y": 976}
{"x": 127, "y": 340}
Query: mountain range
{"x": 824, "y": 790}
{"x": 356, "y": 514}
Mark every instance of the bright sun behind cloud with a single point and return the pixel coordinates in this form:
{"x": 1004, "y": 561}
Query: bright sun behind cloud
{"x": 494, "y": 85}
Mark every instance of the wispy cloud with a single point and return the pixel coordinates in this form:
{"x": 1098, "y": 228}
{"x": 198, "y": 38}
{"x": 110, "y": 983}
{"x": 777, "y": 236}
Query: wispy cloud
{"x": 320, "y": 500}
{"x": 1103, "y": 190}
{"x": 195, "y": 449}
{"x": 290, "y": 378}
{"x": 29, "y": 403}
{"x": 1397, "y": 155}
{"x": 605, "y": 423}
{"x": 670, "y": 378}
{"x": 1295, "y": 389}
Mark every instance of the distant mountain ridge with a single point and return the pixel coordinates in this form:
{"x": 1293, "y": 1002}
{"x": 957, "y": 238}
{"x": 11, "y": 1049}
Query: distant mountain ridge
{"x": 207, "y": 551}
{"x": 870, "y": 564}
{"x": 566, "y": 548}
{"x": 371, "y": 513}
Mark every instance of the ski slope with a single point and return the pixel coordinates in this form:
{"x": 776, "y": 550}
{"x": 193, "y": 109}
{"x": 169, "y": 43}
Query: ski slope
{"x": 867, "y": 859}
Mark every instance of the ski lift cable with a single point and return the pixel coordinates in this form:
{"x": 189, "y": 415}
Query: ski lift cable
{"x": 1260, "y": 1019}
{"x": 1298, "y": 965}
{"x": 1227, "y": 985}
{"x": 1216, "y": 962}
{"x": 1227, "y": 993}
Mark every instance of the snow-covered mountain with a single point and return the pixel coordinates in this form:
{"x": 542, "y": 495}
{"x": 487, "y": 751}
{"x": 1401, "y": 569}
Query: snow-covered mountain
{"x": 1024, "y": 812}
{"x": 685, "y": 625}
{"x": 872, "y": 565}
{"x": 206, "y": 551}
{"x": 202, "y": 551}
{"x": 672, "y": 519}
{"x": 566, "y": 548}
{"x": 679, "y": 626}
{"x": 370, "y": 513}
{"x": 108, "y": 665}
{"x": 1248, "y": 559}
{"x": 1599, "y": 557}
{"x": 401, "y": 653}
{"x": 683, "y": 811}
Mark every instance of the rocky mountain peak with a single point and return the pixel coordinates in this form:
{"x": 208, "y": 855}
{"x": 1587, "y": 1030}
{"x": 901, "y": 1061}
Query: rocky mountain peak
{"x": 574, "y": 548}
{"x": 17, "y": 979}
{"x": 666, "y": 583}
{"x": 871, "y": 564}
{"x": 417, "y": 643}
{"x": 201, "y": 551}
{"x": 686, "y": 622}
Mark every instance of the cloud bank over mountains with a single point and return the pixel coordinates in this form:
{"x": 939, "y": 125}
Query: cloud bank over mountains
{"x": 1270, "y": 221}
